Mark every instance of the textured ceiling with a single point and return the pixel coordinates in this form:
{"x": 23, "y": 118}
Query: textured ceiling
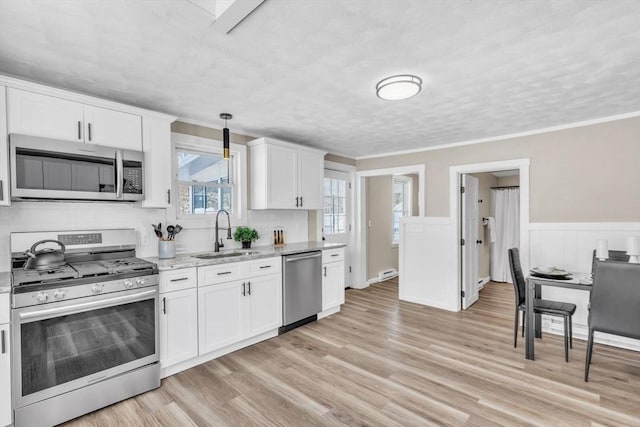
{"x": 305, "y": 70}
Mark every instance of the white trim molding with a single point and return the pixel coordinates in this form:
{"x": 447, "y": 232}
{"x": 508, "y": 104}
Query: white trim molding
{"x": 506, "y": 136}
{"x": 360, "y": 228}
{"x": 455, "y": 173}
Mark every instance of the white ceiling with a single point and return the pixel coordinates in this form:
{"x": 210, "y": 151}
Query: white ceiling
{"x": 305, "y": 70}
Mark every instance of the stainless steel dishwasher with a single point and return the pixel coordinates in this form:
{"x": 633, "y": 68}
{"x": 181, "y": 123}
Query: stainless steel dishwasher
{"x": 301, "y": 289}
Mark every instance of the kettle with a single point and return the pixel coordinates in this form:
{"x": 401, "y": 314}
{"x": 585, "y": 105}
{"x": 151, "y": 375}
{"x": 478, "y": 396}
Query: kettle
{"x": 45, "y": 258}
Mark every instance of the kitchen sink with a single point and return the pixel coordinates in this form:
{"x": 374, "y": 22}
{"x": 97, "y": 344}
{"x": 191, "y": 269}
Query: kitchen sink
{"x": 214, "y": 255}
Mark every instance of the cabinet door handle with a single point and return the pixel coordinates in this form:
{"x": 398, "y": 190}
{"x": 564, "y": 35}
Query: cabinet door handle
{"x": 1, "y": 190}
{"x": 265, "y": 266}
{"x": 297, "y": 201}
{"x": 4, "y": 344}
{"x": 244, "y": 291}
{"x": 179, "y": 280}
{"x": 300, "y": 201}
{"x": 168, "y": 197}
{"x": 222, "y": 273}
{"x": 249, "y": 286}
{"x": 325, "y": 271}
{"x": 164, "y": 305}
{"x": 89, "y": 126}
{"x": 79, "y": 130}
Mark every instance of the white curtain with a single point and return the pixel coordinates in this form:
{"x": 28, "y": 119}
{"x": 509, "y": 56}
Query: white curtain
{"x": 505, "y": 208}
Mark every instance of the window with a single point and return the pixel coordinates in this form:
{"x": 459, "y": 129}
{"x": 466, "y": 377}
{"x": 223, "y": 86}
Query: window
{"x": 205, "y": 183}
{"x": 335, "y": 215}
{"x": 400, "y": 203}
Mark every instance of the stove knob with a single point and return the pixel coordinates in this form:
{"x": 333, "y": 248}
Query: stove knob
{"x": 96, "y": 289}
{"x": 42, "y": 297}
{"x": 140, "y": 282}
{"x": 128, "y": 284}
{"x": 58, "y": 294}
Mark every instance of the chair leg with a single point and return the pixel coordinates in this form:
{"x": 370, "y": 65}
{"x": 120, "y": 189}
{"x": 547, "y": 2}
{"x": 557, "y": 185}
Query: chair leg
{"x": 571, "y": 332}
{"x": 589, "y": 353}
{"x": 566, "y": 339}
{"x": 515, "y": 329}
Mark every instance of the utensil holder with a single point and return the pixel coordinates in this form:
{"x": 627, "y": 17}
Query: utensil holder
{"x": 166, "y": 249}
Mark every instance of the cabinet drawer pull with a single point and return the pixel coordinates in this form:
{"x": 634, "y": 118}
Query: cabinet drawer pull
{"x": 164, "y": 305}
{"x": 79, "y": 130}
{"x": 222, "y": 273}
{"x": 335, "y": 254}
{"x": 179, "y": 280}
{"x": 265, "y": 266}
{"x": 4, "y": 345}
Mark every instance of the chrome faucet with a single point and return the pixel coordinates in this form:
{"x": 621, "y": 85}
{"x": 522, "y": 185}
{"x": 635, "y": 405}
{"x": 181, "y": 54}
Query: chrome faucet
{"x": 219, "y": 244}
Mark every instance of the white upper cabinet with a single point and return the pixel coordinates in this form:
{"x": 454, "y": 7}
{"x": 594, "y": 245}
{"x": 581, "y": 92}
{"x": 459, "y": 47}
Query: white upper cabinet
{"x": 285, "y": 175}
{"x": 41, "y": 115}
{"x": 36, "y": 114}
{"x": 112, "y": 128}
{"x": 5, "y": 199}
{"x": 156, "y": 144}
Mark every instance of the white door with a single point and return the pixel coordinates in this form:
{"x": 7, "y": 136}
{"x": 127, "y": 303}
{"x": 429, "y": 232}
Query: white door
{"x": 47, "y": 116}
{"x": 219, "y": 316}
{"x": 282, "y": 178}
{"x": 469, "y": 229}
{"x": 112, "y": 128}
{"x": 310, "y": 174}
{"x": 178, "y": 326}
{"x": 336, "y": 215}
{"x": 5, "y": 374}
{"x": 332, "y": 285}
{"x": 264, "y": 304}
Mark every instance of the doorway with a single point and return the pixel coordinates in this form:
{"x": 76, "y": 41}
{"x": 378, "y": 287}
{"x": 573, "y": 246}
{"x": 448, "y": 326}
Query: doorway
{"x": 489, "y": 226}
{"x": 336, "y": 215}
{"x": 465, "y": 295}
{"x": 362, "y": 269}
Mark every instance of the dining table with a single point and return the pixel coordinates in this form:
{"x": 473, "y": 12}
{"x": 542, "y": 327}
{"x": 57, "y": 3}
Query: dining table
{"x": 575, "y": 280}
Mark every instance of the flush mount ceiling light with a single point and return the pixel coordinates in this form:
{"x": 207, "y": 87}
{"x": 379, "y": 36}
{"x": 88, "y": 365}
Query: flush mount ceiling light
{"x": 399, "y": 87}
{"x": 225, "y": 135}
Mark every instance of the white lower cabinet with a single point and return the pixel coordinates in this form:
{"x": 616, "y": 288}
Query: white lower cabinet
{"x": 220, "y": 312}
{"x": 5, "y": 362}
{"x": 178, "y": 326}
{"x": 332, "y": 278}
{"x": 264, "y": 304}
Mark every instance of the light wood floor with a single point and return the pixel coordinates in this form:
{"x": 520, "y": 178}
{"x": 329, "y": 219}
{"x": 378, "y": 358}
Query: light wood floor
{"x": 381, "y": 362}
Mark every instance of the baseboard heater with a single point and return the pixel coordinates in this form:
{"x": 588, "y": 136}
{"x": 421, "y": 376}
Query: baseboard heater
{"x": 387, "y": 274}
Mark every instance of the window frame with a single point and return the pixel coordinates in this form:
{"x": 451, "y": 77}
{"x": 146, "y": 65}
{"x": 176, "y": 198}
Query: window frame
{"x": 345, "y": 206}
{"x": 406, "y": 202}
{"x": 238, "y": 170}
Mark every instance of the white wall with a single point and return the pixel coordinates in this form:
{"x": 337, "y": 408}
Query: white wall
{"x": 36, "y": 216}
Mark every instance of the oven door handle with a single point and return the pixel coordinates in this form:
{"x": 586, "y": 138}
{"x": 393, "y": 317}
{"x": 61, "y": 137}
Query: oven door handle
{"x": 46, "y": 313}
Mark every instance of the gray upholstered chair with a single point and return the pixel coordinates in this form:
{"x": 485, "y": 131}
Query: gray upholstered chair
{"x": 551, "y": 308}
{"x": 615, "y": 303}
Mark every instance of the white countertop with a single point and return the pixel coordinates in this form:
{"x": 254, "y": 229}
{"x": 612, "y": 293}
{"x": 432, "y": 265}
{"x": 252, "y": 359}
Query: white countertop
{"x": 188, "y": 259}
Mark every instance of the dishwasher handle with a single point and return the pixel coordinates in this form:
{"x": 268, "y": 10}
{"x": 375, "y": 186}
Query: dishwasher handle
{"x": 290, "y": 258}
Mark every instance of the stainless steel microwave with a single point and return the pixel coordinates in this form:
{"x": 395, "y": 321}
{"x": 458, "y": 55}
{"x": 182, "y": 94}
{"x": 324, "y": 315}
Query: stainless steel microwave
{"x": 43, "y": 168}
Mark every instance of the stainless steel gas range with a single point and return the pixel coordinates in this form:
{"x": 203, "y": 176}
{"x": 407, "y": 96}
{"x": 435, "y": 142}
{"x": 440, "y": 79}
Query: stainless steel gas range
{"x": 84, "y": 323}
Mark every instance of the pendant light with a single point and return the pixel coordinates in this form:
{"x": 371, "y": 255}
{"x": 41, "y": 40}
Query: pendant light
{"x": 225, "y": 135}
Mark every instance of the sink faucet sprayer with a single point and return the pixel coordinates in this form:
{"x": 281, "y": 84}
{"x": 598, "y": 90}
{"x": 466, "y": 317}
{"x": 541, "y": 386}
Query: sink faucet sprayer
{"x": 218, "y": 244}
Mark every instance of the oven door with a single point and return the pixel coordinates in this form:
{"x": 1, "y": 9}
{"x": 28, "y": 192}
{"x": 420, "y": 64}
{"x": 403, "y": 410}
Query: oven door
{"x": 64, "y": 346}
